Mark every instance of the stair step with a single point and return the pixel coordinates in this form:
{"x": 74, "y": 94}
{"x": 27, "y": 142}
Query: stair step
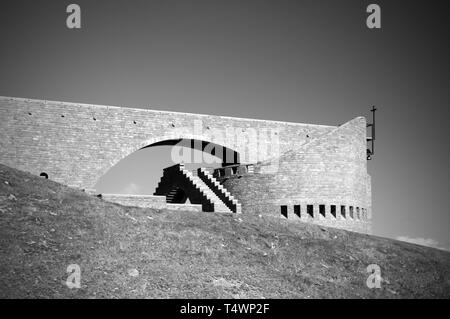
{"x": 208, "y": 193}
{"x": 231, "y": 201}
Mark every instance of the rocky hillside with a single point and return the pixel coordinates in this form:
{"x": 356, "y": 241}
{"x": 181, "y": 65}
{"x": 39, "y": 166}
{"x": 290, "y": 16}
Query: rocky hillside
{"x": 126, "y": 252}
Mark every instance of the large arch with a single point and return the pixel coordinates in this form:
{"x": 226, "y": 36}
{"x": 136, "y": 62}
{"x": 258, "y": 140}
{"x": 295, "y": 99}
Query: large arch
{"x": 198, "y": 142}
{"x": 180, "y": 147}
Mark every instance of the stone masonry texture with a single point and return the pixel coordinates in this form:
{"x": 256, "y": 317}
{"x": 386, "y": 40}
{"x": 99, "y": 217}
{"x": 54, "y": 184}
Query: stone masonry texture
{"x": 75, "y": 144}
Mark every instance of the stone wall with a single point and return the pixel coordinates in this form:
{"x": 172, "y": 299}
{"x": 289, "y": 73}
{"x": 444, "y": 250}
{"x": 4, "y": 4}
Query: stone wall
{"x": 75, "y": 144}
{"x": 330, "y": 170}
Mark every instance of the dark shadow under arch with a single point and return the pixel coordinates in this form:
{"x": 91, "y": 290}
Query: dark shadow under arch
{"x": 227, "y": 155}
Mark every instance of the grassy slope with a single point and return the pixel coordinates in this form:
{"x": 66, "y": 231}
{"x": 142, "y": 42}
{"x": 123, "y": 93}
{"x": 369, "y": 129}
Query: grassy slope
{"x": 48, "y": 226}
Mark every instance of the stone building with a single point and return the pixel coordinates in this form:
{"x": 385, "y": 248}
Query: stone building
{"x": 302, "y": 172}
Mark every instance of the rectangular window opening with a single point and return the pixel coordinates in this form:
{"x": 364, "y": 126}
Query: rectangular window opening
{"x": 297, "y": 210}
{"x": 333, "y": 210}
{"x": 310, "y": 210}
{"x": 322, "y": 210}
{"x": 284, "y": 211}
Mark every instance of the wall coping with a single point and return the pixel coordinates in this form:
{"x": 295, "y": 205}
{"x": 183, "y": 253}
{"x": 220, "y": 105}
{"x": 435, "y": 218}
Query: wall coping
{"x": 160, "y": 111}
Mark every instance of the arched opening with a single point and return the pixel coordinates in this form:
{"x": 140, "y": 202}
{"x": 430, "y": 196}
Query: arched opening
{"x": 140, "y": 172}
{"x": 44, "y": 175}
{"x": 225, "y": 155}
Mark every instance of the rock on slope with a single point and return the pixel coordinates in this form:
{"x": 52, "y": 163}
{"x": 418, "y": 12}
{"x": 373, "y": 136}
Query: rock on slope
{"x": 126, "y": 252}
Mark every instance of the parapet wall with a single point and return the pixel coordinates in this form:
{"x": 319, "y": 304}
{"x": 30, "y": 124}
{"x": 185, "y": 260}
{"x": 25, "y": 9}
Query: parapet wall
{"x": 75, "y": 144}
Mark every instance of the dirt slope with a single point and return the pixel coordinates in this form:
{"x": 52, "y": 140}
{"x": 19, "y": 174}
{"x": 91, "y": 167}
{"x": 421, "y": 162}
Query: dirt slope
{"x": 128, "y": 252}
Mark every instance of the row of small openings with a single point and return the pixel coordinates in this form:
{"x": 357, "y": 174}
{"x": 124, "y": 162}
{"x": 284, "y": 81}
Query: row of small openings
{"x": 361, "y": 213}
{"x": 94, "y": 118}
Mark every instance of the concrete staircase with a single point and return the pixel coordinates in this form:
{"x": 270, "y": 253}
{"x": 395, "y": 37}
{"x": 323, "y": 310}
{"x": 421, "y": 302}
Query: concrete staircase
{"x": 179, "y": 184}
{"x": 219, "y": 205}
{"x": 172, "y": 196}
{"x": 218, "y": 189}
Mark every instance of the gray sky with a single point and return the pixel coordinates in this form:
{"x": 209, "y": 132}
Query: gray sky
{"x": 300, "y": 61}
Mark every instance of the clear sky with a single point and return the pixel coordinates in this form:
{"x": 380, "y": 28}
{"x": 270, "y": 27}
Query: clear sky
{"x": 300, "y": 61}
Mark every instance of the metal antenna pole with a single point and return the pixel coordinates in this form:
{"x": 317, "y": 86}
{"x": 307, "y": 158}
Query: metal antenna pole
{"x": 373, "y": 129}
{"x": 371, "y": 151}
